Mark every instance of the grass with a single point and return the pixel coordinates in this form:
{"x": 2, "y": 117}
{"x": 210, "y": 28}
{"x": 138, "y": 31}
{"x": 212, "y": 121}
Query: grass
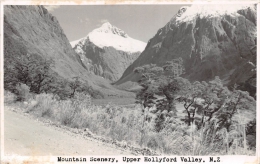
{"x": 117, "y": 101}
{"x": 126, "y": 125}
{"x": 9, "y": 97}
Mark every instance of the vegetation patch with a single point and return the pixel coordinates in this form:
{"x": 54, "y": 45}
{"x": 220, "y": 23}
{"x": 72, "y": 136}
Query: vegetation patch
{"x": 171, "y": 115}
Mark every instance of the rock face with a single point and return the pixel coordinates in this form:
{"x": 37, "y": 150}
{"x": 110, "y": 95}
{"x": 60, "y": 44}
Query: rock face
{"x": 108, "y": 51}
{"x": 39, "y": 33}
{"x": 212, "y": 41}
{"x": 33, "y": 30}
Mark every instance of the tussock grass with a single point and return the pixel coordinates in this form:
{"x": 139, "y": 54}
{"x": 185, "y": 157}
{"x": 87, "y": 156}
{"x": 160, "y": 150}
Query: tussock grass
{"x": 127, "y": 126}
{"x": 9, "y": 97}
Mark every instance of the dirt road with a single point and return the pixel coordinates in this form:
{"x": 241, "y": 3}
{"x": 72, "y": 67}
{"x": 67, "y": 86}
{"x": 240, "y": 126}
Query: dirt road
{"x": 27, "y": 137}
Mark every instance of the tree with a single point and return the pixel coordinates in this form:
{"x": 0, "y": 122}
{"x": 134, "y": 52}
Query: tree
{"x": 31, "y": 70}
{"x": 22, "y": 92}
{"x": 169, "y": 88}
{"x": 13, "y": 50}
{"x": 190, "y": 96}
{"x": 61, "y": 89}
{"x": 159, "y": 87}
{"x": 217, "y": 103}
{"x": 160, "y": 81}
{"x": 41, "y": 75}
{"x": 74, "y": 85}
{"x": 203, "y": 99}
{"x": 239, "y": 103}
{"x": 149, "y": 75}
{"x": 174, "y": 68}
{"x": 213, "y": 95}
{"x": 83, "y": 87}
{"x": 36, "y": 72}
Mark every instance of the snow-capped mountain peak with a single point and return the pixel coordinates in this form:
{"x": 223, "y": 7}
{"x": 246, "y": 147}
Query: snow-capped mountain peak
{"x": 188, "y": 13}
{"x": 106, "y": 25}
{"x": 110, "y": 36}
{"x": 108, "y": 28}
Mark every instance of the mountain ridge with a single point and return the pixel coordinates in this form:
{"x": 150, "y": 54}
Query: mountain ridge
{"x": 209, "y": 45}
{"x": 110, "y": 36}
{"x": 107, "y": 51}
{"x": 33, "y": 30}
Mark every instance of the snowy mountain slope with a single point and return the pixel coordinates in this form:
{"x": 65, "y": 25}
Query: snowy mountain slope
{"x": 73, "y": 43}
{"x": 187, "y": 13}
{"x": 212, "y": 40}
{"x": 31, "y": 29}
{"x": 107, "y": 51}
{"x": 111, "y": 36}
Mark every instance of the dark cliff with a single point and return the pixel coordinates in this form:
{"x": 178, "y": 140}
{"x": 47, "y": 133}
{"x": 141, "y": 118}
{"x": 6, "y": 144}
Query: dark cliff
{"x": 211, "y": 45}
{"x": 33, "y": 30}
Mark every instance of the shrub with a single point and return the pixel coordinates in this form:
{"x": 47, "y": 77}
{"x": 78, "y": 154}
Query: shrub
{"x": 22, "y": 92}
{"x": 81, "y": 100}
{"x": 42, "y": 105}
{"x": 29, "y": 69}
{"x": 9, "y": 97}
{"x": 137, "y": 127}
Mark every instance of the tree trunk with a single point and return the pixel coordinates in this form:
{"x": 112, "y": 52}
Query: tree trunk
{"x": 189, "y": 119}
{"x": 193, "y": 115}
{"x": 170, "y": 99}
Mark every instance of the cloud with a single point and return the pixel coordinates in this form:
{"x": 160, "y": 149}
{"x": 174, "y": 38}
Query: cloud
{"x": 102, "y": 21}
{"x": 51, "y": 7}
{"x": 84, "y": 20}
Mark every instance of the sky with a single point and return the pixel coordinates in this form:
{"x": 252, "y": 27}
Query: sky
{"x": 138, "y": 21}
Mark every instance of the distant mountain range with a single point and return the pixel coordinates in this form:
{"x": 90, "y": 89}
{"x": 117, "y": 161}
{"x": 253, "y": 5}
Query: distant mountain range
{"x": 107, "y": 51}
{"x": 212, "y": 40}
{"x": 217, "y": 40}
{"x": 31, "y": 29}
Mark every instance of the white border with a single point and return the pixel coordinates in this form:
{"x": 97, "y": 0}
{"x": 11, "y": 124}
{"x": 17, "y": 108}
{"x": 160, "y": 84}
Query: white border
{"x": 53, "y": 159}
{"x": 2, "y": 79}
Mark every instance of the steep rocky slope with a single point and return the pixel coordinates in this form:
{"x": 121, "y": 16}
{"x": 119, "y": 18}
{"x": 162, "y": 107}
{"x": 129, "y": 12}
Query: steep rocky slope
{"x": 107, "y": 51}
{"x": 212, "y": 40}
{"x": 33, "y": 30}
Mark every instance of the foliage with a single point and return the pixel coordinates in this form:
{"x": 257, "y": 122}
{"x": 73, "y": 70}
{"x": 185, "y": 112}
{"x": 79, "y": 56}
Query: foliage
{"x": 216, "y": 120}
{"x": 202, "y": 99}
{"x": 236, "y": 102}
{"x": 22, "y": 92}
{"x": 9, "y": 97}
{"x": 159, "y": 87}
{"x": 78, "y": 86}
{"x": 61, "y": 89}
{"x": 159, "y": 81}
{"x": 82, "y": 100}
{"x": 41, "y": 75}
{"x": 36, "y": 73}
{"x": 74, "y": 85}
{"x": 208, "y": 105}
{"x": 31, "y": 70}
{"x": 124, "y": 125}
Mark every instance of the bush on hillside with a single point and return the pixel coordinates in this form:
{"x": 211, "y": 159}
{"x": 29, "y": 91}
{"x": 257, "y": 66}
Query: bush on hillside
{"x": 82, "y": 99}
{"x": 22, "y": 92}
{"x": 83, "y": 87}
{"x": 130, "y": 126}
{"x": 9, "y": 97}
{"x": 36, "y": 72}
{"x": 29, "y": 69}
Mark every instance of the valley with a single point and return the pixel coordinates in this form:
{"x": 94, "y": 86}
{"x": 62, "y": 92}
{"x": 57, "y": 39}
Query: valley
{"x": 107, "y": 51}
{"x": 216, "y": 52}
{"x": 116, "y": 101}
{"x": 190, "y": 90}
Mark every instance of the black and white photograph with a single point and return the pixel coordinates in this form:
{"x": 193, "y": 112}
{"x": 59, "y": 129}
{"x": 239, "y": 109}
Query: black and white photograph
{"x": 129, "y": 82}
